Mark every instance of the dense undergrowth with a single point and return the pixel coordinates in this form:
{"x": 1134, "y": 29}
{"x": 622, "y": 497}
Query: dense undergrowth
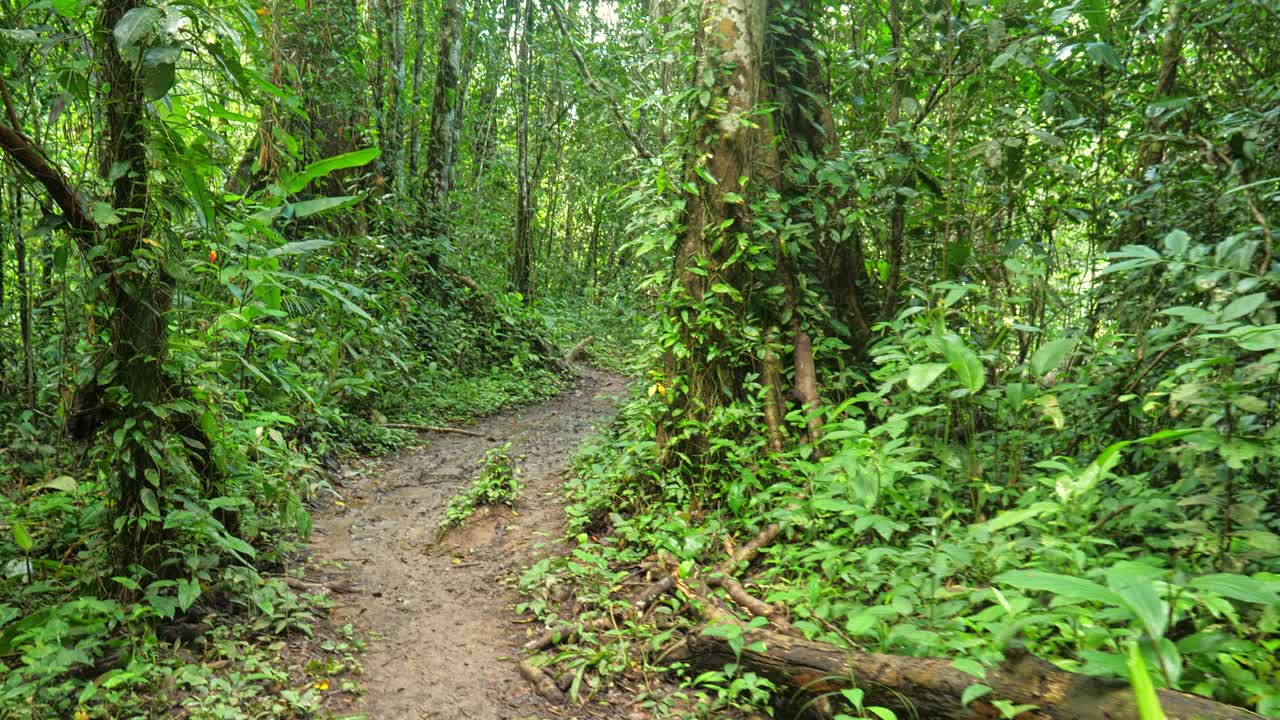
{"x": 1076, "y": 502}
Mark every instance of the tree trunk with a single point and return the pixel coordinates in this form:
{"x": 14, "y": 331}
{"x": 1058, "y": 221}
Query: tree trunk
{"x": 933, "y": 687}
{"x": 415, "y": 92}
{"x": 444, "y": 120}
{"x": 522, "y": 250}
{"x": 728, "y": 148}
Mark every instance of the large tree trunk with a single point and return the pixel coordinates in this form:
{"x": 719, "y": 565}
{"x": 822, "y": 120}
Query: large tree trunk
{"x": 728, "y": 148}
{"x": 142, "y": 290}
{"x": 933, "y": 687}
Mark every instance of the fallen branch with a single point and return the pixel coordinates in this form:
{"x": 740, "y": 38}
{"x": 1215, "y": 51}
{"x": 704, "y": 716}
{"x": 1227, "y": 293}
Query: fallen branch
{"x": 541, "y": 682}
{"x": 933, "y": 687}
{"x": 433, "y": 428}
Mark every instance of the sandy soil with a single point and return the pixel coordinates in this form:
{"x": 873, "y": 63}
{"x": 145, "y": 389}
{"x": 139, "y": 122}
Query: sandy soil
{"x": 440, "y": 608}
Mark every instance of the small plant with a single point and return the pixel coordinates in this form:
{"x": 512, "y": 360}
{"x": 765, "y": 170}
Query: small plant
{"x": 497, "y": 483}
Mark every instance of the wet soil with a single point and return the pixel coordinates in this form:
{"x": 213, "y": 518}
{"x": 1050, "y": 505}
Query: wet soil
{"x": 440, "y": 608}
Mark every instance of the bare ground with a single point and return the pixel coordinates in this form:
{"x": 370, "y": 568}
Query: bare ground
{"x": 440, "y": 608}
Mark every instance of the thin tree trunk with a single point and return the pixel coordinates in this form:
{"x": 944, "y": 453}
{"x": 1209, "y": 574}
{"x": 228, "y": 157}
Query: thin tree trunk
{"x": 521, "y": 256}
{"x": 24, "y": 322}
{"x": 415, "y": 93}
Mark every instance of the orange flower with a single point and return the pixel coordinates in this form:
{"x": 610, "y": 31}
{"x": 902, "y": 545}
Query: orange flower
{"x": 213, "y": 256}
{"x": 262, "y": 12}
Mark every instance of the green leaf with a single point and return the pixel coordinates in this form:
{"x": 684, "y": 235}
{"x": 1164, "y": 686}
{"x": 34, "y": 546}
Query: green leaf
{"x": 1193, "y": 315}
{"x": 1095, "y": 12}
{"x": 300, "y": 247}
{"x": 21, "y": 36}
{"x": 320, "y": 168}
{"x": 1237, "y": 587}
{"x": 920, "y": 377}
{"x": 67, "y": 8}
{"x": 1102, "y": 54}
{"x": 1050, "y": 355}
{"x": 64, "y": 483}
{"x": 1063, "y": 585}
{"x": 149, "y": 501}
{"x": 159, "y": 70}
{"x": 1144, "y": 691}
{"x": 1257, "y": 338}
{"x": 22, "y": 537}
{"x": 970, "y": 666}
{"x": 188, "y": 591}
{"x": 1243, "y": 306}
{"x": 319, "y": 205}
{"x": 973, "y": 692}
{"x": 963, "y": 361}
{"x": 133, "y": 27}
{"x": 1134, "y": 584}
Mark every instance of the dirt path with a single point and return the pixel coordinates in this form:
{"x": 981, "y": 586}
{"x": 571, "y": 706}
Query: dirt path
{"x": 441, "y": 612}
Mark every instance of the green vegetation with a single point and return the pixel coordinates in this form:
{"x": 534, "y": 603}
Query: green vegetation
{"x": 497, "y": 483}
{"x": 966, "y": 309}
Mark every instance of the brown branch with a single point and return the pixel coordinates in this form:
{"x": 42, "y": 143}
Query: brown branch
{"x": 618, "y": 115}
{"x": 433, "y": 428}
{"x": 28, "y": 156}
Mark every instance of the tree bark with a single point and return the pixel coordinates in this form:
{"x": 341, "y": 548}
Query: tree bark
{"x": 444, "y": 120}
{"x": 522, "y": 250}
{"x": 933, "y": 687}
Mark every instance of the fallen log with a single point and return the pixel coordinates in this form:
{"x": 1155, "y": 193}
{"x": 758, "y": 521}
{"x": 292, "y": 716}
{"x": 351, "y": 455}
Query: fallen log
{"x": 933, "y": 687}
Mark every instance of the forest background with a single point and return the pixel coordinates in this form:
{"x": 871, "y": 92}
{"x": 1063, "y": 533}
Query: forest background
{"x": 974, "y": 300}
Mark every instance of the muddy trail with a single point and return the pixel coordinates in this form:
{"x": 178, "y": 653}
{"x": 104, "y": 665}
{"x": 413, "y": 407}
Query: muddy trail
{"x": 439, "y": 608}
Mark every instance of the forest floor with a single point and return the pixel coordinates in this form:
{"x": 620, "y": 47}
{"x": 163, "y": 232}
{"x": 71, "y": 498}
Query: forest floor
{"x": 438, "y": 609}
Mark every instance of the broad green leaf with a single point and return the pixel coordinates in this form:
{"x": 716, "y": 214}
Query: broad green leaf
{"x": 63, "y": 483}
{"x": 1050, "y": 355}
{"x": 1242, "y": 306}
{"x": 921, "y": 376}
{"x": 1063, "y": 585}
{"x": 1009, "y": 518}
{"x": 188, "y": 591}
{"x": 320, "y": 168}
{"x": 970, "y": 666}
{"x": 159, "y": 70}
{"x": 21, "y": 36}
{"x": 149, "y": 501}
{"x": 133, "y": 27}
{"x": 1237, "y": 587}
{"x": 1102, "y": 54}
{"x": 963, "y": 361}
{"x": 319, "y": 205}
{"x": 299, "y": 247}
{"x": 1134, "y": 583}
{"x": 22, "y": 537}
{"x": 973, "y": 692}
{"x": 1257, "y": 338}
{"x": 67, "y": 8}
{"x": 1095, "y": 12}
{"x": 1193, "y": 315}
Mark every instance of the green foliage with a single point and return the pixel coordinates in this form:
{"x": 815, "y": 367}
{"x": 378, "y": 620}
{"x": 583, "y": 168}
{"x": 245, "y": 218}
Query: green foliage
{"x": 497, "y": 483}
